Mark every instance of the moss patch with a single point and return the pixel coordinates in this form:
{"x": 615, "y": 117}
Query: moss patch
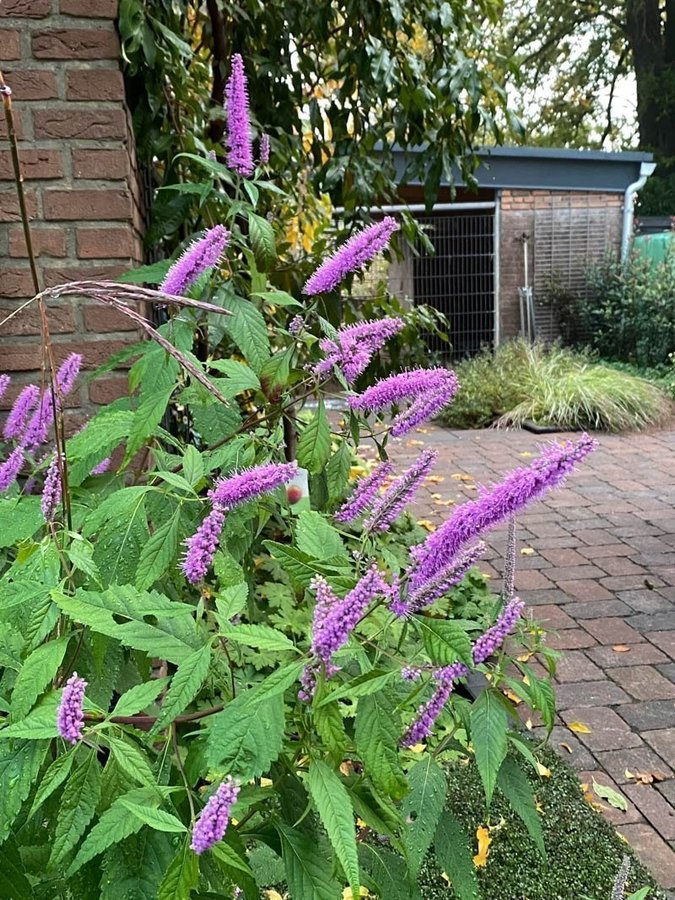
{"x": 584, "y": 850}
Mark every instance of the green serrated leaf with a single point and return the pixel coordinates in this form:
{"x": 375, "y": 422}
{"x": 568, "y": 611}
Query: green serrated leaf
{"x": 181, "y": 877}
{"x": 135, "y": 867}
{"x": 36, "y": 673}
{"x": 422, "y": 808}
{"x": 247, "y": 328}
{"x": 489, "y": 728}
{"x": 40, "y": 723}
{"x": 245, "y": 738}
{"x": 277, "y": 298}
{"x": 139, "y": 697}
{"x": 337, "y": 471}
{"x": 77, "y": 808}
{"x": 146, "y": 418}
{"x": 370, "y": 683}
{"x": 513, "y": 783}
{"x": 389, "y": 872}
{"x": 193, "y": 465}
{"x": 98, "y": 439}
{"x": 331, "y": 728}
{"x": 20, "y": 763}
{"x": 317, "y": 538}
{"x": 159, "y": 552}
{"x": 13, "y": 882}
{"x": 262, "y": 241}
{"x": 378, "y": 729}
{"x": 445, "y": 641}
{"x": 453, "y": 852}
{"x": 614, "y": 798}
{"x": 308, "y": 866}
{"x": 131, "y": 760}
{"x": 113, "y": 827}
{"x": 20, "y": 518}
{"x": 53, "y": 778}
{"x": 314, "y": 443}
{"x": 238, "y": 377}
{"x": 334, "y": 806}
{"x": 155, "y": 818}
{"x": 185, "y": 685}
{"x": 262, "y": 637}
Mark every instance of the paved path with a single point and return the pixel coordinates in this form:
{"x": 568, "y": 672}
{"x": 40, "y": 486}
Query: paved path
{"x": 603, "y": 576}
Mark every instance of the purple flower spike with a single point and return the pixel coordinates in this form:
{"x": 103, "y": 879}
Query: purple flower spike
{"x": 239, "y": 145}
{"x": 389, "y": 506}
{"x": 10, "y": 468}
{"x": 351, "y": 256}
{"x": 212, "y": 823}
{"x": 70, "y": 715}
{"x": 494, "y": 637}
{"x": 238, "y": 489}
{"x": 38, "y": 424}
{"x": 438, "y": 586}
{"x": 4, "y": 384}
{"x": 427, "y": 391}
{"x": 428, "y": 713}
{"x": 496, "y": 504}
{"x": 202, "y": 546}
{"x": 296, "y": 325}
{"x": 335, "y": 619}
{"x": 102, "y": 467}
{"x": 23, "y": 406}
{"x": 264, "y": 149}
{"x": 364, "y": 493}
{"x": 68, "y": 372}
{"x": 51, "y": 492}
{"x": 355, "y": 345}
{"x": 199, "y": 256}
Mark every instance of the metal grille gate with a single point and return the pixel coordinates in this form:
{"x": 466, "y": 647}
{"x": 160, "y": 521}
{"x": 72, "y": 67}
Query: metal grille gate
{"x": 458, "y": 279}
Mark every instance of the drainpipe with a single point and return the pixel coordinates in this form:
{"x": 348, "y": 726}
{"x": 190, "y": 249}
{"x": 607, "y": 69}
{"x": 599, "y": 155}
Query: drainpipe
{"x": 646, "y": 169}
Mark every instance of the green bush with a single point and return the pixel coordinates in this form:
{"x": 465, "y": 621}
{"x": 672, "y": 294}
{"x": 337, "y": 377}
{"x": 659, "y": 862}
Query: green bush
{"x": 629, "y": 313}
{"x": 584, "y": 852}
{"x": 552, "y": 386}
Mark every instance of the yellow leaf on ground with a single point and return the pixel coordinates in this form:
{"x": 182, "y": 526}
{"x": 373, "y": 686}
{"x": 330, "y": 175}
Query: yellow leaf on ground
{"x": 621, "y": 648}
{"x": 460, "y": 476}
{"x": 566, "y": 746}
{"x": 414, "y": 443}
{"x": 543, "y": 771}
{"x": 579, "y": 728}
{"x": 435, "y": 479}
{"x": 528, "y": 724}
{"x": 428, "y": 524}
{"x": 524, "y": 657}
{"x": 436, "y": 496}
{"x": 514, "y": 698}
{"x": 526, "y": 453}
{"x": 484, "y": 841}
{"x": 527, "y": 551}
{"x": 266, "y": 782}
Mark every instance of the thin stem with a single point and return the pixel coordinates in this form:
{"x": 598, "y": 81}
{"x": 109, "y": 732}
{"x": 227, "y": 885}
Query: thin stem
{"x": 181, "y": 768}
{"x": 140, "y": 721}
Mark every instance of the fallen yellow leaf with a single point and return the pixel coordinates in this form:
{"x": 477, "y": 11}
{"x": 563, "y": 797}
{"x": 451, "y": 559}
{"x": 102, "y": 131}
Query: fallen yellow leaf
{"x": 435, "y": 479}
{"x": 348, "y": 894}
{"x": 460, "y": 476}
{"x": 436, "y": 496}
{"x": 266, "y": 782}
{"x": 273, "y": 895}
{"x": 484, "y": 841}
{"x": 543, "y": 771}
{"x": 620, "y": 648}
{"x": 418, "y": 748}
{"x": 566, "y": 746}
{"x": 524, "y": 657}
{"x": 579, "y": 728}
{"x": 414, "y": 443}
{"x": 528, "y": 724}
{"x": 427, "y": 524}
{"x": 513, "y": 697}
{"x": 526, "y": 453}
{"x": 527, "y": 551}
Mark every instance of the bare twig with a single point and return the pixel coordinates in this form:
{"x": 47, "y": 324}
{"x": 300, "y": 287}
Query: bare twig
{"x": 149, "y": 721}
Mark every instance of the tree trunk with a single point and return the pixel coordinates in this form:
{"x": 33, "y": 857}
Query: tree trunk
{"x": 653, "y": 46}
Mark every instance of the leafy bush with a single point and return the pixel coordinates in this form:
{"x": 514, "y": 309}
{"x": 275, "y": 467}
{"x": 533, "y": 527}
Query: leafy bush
{"x": 629, "y": 312}
{"x": 208, "y": 657}
{"x": 552, "y": 386}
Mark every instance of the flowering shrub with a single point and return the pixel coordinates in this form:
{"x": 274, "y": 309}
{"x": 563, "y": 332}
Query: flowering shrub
{"x": 217, "y": 654}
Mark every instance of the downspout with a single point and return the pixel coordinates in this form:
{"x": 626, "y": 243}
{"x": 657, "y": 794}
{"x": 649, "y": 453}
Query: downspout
{"x": 646, "y": 169}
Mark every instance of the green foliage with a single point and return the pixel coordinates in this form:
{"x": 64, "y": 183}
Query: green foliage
{"x": 628, "y": 314}
{"x": 552, "y": 386}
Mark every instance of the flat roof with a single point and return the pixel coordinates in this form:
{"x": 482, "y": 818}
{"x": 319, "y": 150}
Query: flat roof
{"x": 547, "y": 168}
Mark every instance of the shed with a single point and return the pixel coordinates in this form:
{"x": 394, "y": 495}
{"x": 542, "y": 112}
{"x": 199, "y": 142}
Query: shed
{"x": 538, "y": 218}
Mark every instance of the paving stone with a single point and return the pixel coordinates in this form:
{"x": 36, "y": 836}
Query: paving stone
{"x": 612, "y": 631}
{"x": 615, "y": 816}
{"x": 562, "y": 557}
{"x": 656, "y": 810}
{"x": 574, "y": 573}
{"x": 637, "y": 654}
{"x": 539, "y": 598}
{"x": 570, "y": 639}
{"x": 621, "y": 565}
{"x": 597, "y": 609}
{"x": 579, "y": 757}
{"x": 663, "y": 741}
{"x": 531, "y": 580}
{"x": 617, "y": 583}
{"x": 653, "y": 714}
{"x": 589, "y": 693}
{"x": 598, "y": 536}
{"x": 608, "y": 730}
{"x": 668, "y": 671}
{"x": 645, "y": 601}
{"x": 552, "y": 617}
{"x": 599, "y": 551}
{"x": 631, "y": 759}
{"x": 643, "y": 682}
{"x": 585, "y": 589}
{"x": 653, "y": 851}
{"x": 576, "y": 666}
{"x": 664, "y": 640}
{"x": 657, "y": 622}
{"x": 667, "y": 789}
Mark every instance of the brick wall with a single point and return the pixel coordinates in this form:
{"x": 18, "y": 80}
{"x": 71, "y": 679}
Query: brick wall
{"x": 61, "y": 59}
{"x": 566, "y": 231}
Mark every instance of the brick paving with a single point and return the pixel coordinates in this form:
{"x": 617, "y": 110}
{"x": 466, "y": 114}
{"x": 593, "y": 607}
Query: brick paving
{"x": 602, "y": 574}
